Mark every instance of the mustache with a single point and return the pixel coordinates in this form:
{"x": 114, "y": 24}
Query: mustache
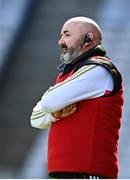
{"x": 64, "y": 46}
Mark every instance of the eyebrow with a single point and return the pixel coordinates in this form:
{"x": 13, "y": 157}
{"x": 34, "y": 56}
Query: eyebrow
{"x": 64, "y": 32}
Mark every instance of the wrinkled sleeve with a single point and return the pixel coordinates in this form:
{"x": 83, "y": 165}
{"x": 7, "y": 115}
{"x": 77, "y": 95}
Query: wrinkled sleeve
{"x": 41, "y": 119}
{"x": 87, "y": 83}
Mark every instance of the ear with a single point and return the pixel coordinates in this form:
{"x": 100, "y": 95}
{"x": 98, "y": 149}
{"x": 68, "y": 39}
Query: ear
{"x": 90, "y": 36}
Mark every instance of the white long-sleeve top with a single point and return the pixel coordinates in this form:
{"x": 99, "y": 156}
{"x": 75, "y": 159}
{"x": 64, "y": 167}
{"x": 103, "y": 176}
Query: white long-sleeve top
{"x": 88, "y": 82}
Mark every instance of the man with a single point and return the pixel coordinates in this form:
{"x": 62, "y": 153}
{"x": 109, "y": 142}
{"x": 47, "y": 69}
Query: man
{"x": 83, "y": 108}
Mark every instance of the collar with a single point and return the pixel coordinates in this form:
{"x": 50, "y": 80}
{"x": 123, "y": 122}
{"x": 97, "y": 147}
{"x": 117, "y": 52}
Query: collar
{"x": 96, "y": 51}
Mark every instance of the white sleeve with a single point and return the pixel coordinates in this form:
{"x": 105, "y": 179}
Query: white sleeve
{"x": 41, "y": 119}
{"x": 88, "y": 82}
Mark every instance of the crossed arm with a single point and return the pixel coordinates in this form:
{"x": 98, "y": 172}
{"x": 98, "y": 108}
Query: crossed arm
{"x": 60, "y": 100}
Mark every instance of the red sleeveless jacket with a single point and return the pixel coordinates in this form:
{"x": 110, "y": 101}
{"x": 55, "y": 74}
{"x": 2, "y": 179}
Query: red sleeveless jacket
{"x": 87, "y": 141}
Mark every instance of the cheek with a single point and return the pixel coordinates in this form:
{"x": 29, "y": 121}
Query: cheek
{"x": 72, "y": 42}
{"x": 69, "y": 42}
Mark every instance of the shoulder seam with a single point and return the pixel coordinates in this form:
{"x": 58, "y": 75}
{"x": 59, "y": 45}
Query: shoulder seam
{"x": 82, "y": 70}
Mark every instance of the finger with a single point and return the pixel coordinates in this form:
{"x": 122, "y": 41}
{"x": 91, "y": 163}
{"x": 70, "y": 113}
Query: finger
{"x": 69, "y": 108}
{"x": 73, "y": 105}
{"x": 66, "y": 109}
{"x": 57, "y": 114}
{"x": 65, "y": 114}
{"x": 74, "y": 109}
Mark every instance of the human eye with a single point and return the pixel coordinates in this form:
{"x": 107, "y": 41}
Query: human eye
{"x": 67, "y": 35}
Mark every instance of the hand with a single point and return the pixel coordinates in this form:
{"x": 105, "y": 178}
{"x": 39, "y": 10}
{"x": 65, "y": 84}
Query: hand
{"x": 65, "y": 112}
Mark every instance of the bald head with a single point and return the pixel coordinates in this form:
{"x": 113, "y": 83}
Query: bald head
{"x": 86, "y": 25}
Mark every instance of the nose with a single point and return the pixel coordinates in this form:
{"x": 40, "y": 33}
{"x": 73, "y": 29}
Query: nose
{"x": 61, "y": 41}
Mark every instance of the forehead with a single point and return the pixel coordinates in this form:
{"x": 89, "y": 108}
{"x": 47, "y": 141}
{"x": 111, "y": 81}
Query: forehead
{"x": 72, "y": 27}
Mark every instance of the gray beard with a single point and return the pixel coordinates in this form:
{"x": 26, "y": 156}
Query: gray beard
{"x": 69, "y": 56}
{"x": 65, "y": 58}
